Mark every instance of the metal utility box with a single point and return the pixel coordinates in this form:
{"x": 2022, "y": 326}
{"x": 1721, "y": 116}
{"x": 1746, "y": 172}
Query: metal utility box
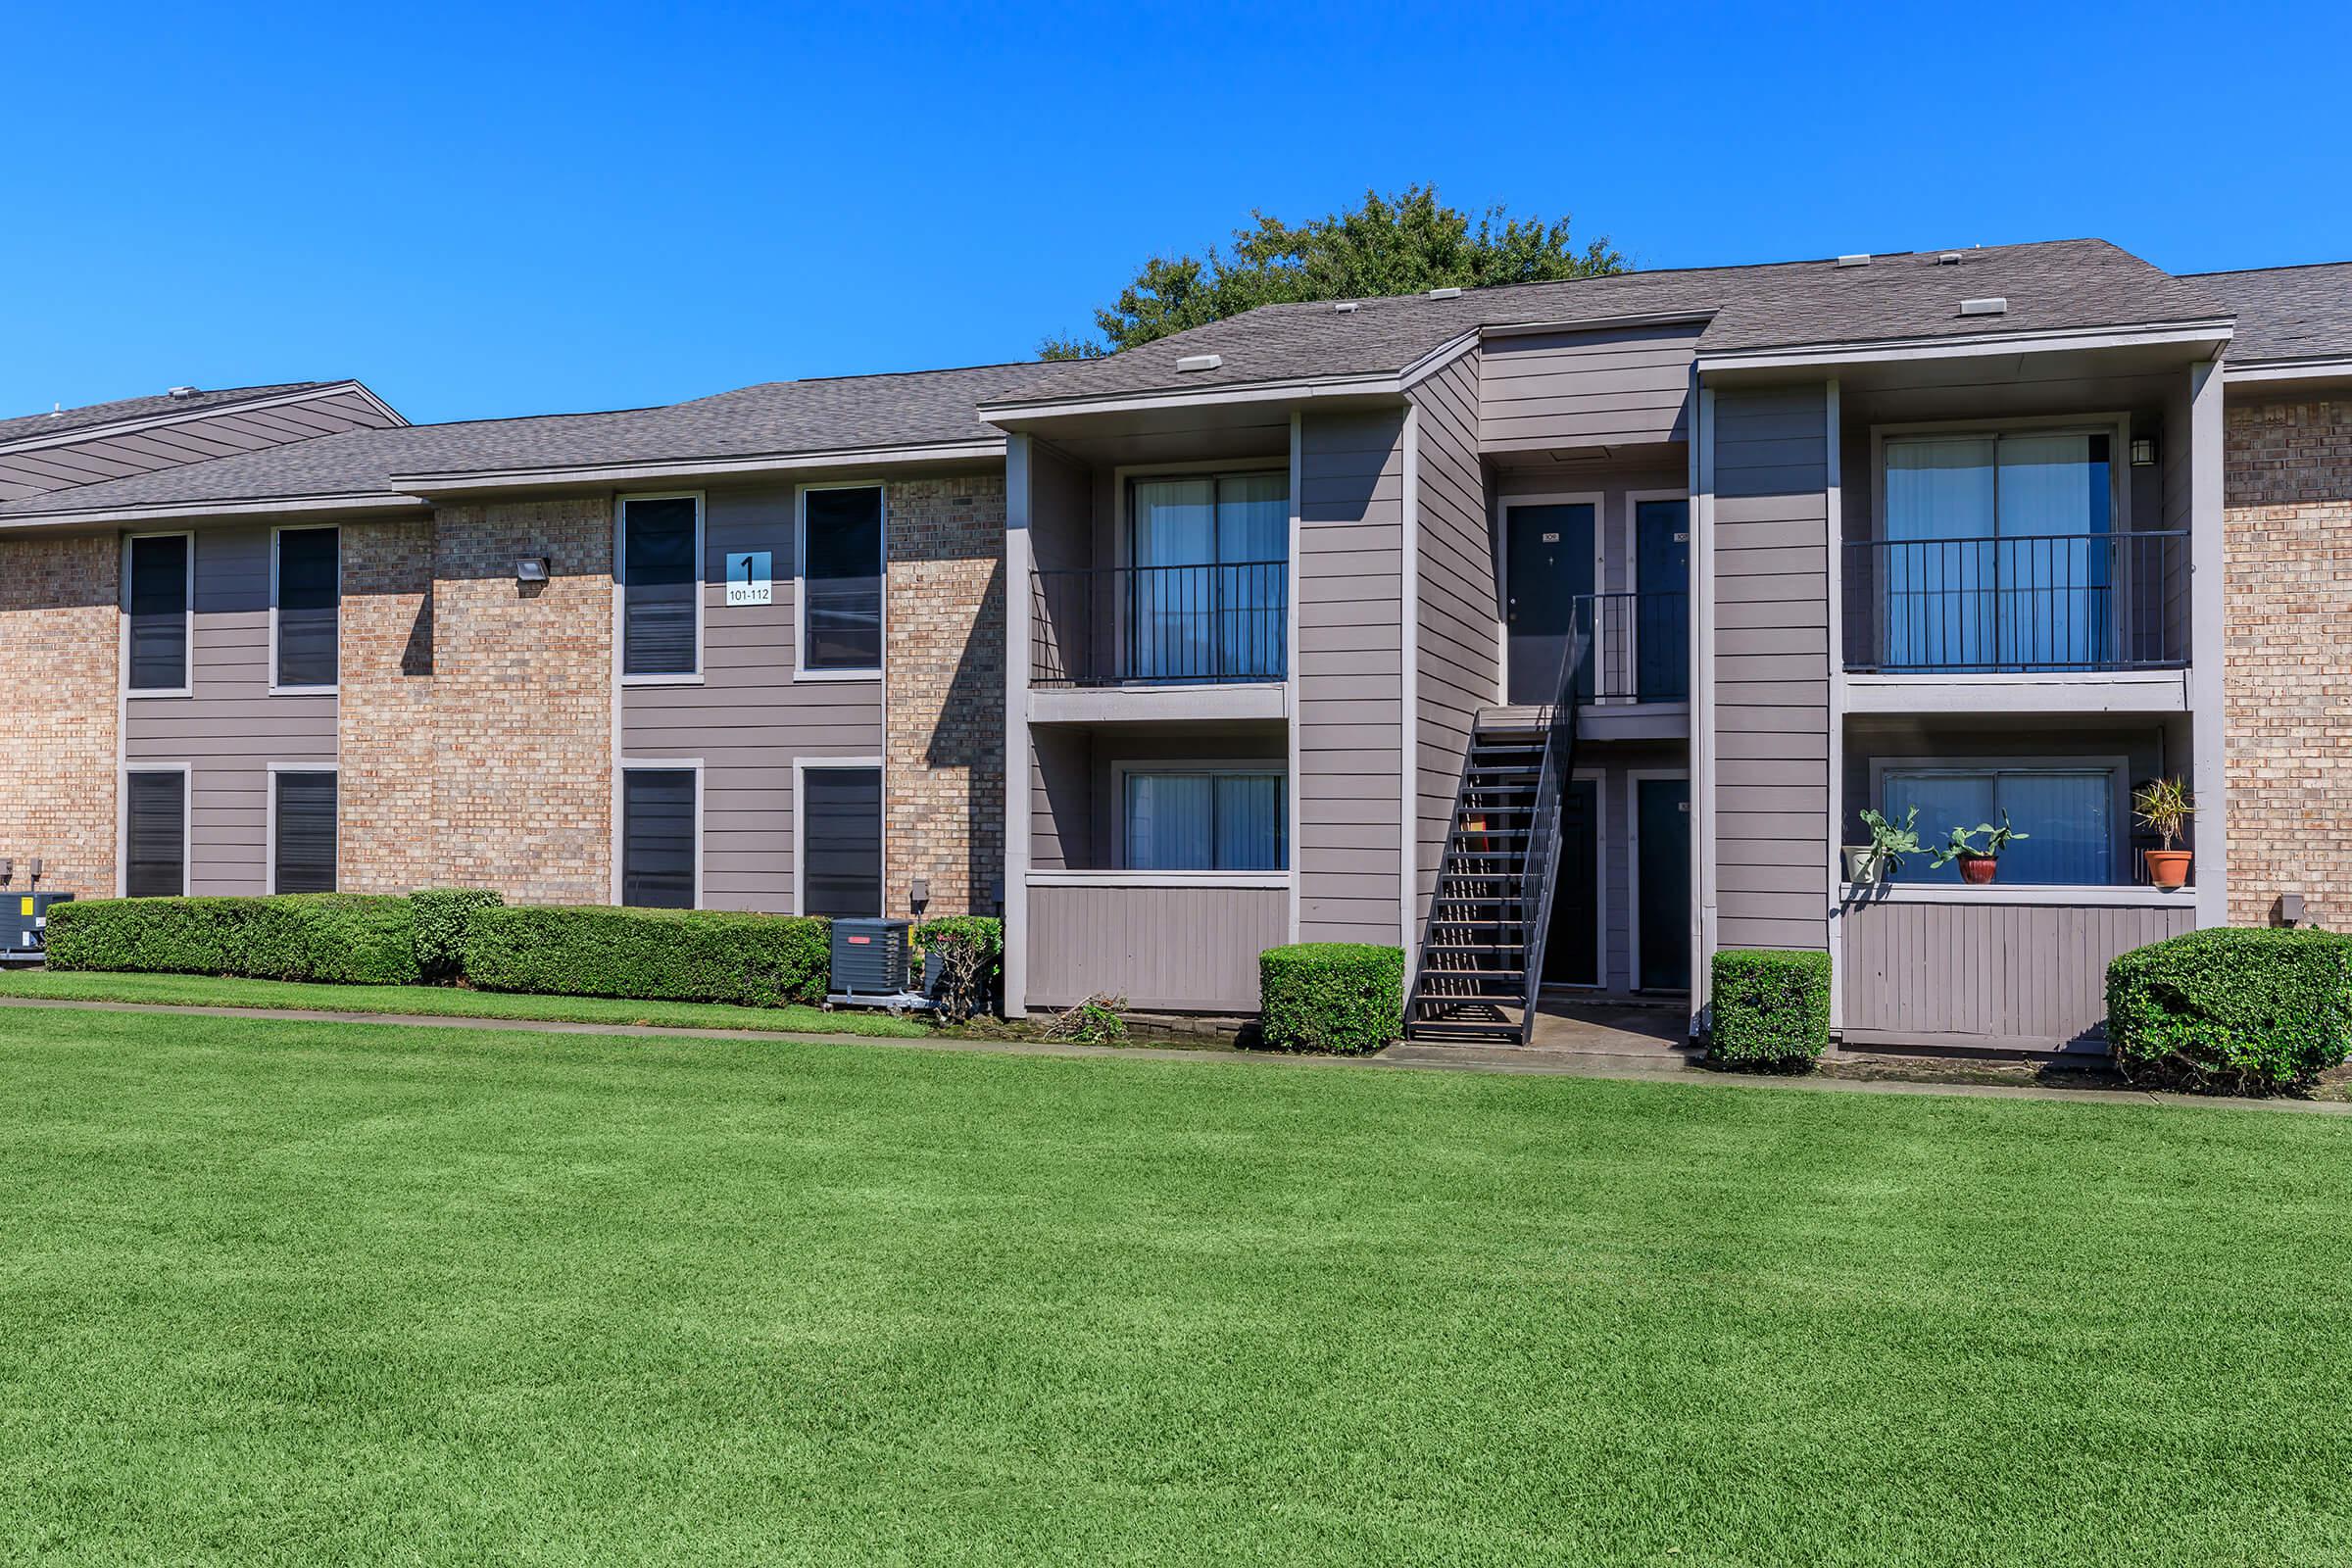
{"x": 25, "y": 928}
{"x": 870, "y": 959}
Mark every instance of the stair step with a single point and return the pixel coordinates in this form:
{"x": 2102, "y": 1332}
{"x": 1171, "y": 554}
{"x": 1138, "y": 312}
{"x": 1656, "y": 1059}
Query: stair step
{"x": 1434, "y": 1029}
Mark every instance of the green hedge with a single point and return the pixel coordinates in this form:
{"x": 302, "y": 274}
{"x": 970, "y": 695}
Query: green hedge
{"x": 1346, "y": 997}
{"x": 1769, "y": 1009}
{"x": 443, "y": 917}
{"x": 2235, "y": 1010}
{"x": 341, "y": 938}
{"x": 758, "y": 961}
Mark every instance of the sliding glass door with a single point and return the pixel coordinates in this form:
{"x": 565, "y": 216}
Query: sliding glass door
{"x": 1207, "y": 561}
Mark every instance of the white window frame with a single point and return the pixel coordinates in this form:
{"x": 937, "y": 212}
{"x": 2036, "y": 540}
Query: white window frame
{"x": 277, "y": 532}
{"x": 1632, "y": 872}
{"x": 620, "y": 597}
{"x": 187, "y": 686}
{"x": 270, "y": 815}
{"x": 801, "y": 767}
{"x": 187, "y": 824}
{"x": 1598, "y": 501}
{"x": 799, "y": 586}
{"x": 2119, "y": 814}
{"x": 621, "y": 769}
{"x": 1264, "y": 766}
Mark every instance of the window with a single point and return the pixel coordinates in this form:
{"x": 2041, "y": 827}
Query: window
{"x": 2070, "y": 814}
{"x": 154, "y": 831}
{"x": 657, "y": 838}
{"x": 302, "y": 831}
{"x": 840, "y": 841}
{"x": 841, "y": 580}
{"x": 159, "y": 596}
{"x": 1208, "y": 578}
{"x": 661, "y": 549}
{"x": 1997, "y": 551}
{"x": 309, "y": 595}
{"x": 1204, "y": 821}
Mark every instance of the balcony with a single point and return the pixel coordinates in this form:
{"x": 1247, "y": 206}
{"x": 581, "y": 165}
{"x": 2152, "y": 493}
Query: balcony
{"x": 2020, "y": 605}
{"x": 1640, "y": 648}
{"x": 1160, "y": 625}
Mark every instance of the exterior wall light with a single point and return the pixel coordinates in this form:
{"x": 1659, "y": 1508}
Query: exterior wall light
{"x": 2144, "y": 453}
{"x": 531, "y": 568}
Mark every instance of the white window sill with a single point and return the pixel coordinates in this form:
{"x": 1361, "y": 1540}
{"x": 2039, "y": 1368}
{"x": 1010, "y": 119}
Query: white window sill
{"x": 837, "y": 674}
{"x": 2099, "y": 898}
{"x": 136, "y": 694}
{"x": 306, "y": 690}
{"x": 685, "y": 678}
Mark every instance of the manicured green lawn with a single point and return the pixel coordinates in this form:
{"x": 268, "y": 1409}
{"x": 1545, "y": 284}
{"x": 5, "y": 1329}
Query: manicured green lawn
{"x": 280, "y": 1292}
{"x": 209, "y": 991}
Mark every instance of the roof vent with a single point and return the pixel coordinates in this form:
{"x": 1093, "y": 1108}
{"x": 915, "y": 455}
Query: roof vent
{"x": 182, "y": 391}
{"x": 1995, "y": 306}
{"x": 1861, "y": 259}
{"x": 1446, "y": 293}
{"x": 1200, "y": 361}
{"x": 1345, "y": 307}
{"x": 1948, "y": 259}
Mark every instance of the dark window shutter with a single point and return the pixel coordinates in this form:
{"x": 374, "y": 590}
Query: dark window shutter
{"x": 306, "y": 833}
{"x": 309, "y": 604}
{"x": 658, "y": 561}
{"x": 155, "y": 862}
{"x": 843, "y": 578}
{"x": 159, "y": 613}
{"x": 841, "y": 839}
{"x": 657, "y": 838}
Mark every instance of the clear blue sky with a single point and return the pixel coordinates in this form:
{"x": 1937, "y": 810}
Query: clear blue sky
{"x": 502, "y": 210}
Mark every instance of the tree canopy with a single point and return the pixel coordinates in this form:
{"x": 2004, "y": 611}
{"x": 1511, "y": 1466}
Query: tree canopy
{"x": 1400, "y": 244}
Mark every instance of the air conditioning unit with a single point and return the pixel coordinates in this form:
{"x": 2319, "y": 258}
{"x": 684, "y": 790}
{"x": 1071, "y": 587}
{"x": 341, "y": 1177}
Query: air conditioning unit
{"x": 25, "y": 937}
{"x": 870, "y": 961}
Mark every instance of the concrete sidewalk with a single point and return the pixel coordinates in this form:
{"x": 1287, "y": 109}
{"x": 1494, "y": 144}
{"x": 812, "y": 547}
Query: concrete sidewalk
{"x": 1406, "y": 1057}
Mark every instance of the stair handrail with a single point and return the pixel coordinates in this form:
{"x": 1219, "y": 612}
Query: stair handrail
{"x": 1539, "y": 876}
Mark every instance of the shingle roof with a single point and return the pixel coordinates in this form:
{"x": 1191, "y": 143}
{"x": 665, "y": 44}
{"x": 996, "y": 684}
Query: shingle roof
{"x": 126, "y": 410}
{"x": 2051, "y": 287}
{"x": 780, "y": 418}
{"x": 2287, "y": 313}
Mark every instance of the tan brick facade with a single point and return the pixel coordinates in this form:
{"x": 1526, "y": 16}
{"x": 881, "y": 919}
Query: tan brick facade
{"x": 2289, "y": 676}
{"x": 523, "y": 700}
{"x": 60, "y": 653}
{"x": 943, "y": 778}
{"x": 384, "y": 726}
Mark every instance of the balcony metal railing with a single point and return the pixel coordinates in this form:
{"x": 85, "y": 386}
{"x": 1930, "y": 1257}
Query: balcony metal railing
{"x": 1640, "y": 647}
{"x": 1160, "y": 625}
{"x": 2043, "y": 602}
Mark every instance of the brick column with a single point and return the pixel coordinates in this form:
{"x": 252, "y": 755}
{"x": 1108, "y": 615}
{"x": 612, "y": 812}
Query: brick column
{"x": 384, "y": 722}
{"x": 60, "y": 630}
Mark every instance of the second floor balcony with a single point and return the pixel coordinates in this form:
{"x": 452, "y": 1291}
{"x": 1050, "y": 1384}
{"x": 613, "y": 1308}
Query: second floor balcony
{"x": 2017, "y": 604}
{"x": 1156, "y": 626}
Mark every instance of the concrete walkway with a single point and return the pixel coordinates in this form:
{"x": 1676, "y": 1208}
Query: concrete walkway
{"x": 1406, "y": 1057}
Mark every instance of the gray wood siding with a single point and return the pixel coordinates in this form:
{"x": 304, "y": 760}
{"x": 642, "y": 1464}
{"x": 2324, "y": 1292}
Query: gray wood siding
{"x": 101, "y": 454}
{"x": 1350, "y": 680}
{"x": 749, "y": 718}
{"x": 1165, "y": 949}
{"x": 230, "y": 729}
{"x": 1984, "y": 972}
{"x": 1458, "y": 665}
{"x": 1076, "y": 816}
{"x": 1772, "y": 700}
{"x": 1622, "y": 387}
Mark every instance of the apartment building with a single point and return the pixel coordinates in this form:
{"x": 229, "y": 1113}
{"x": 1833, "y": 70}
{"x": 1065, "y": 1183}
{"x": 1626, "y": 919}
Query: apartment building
{"x": 1258, "y": 633}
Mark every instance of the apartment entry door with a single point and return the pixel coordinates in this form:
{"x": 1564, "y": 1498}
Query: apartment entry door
{"x": 1572, "y": 949}
{"x": 1662, "y": 604}
{"x": 1662, "y": 867}
{"x": 1548, "y": 571}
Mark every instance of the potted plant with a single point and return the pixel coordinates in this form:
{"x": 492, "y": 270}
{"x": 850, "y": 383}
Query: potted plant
{"x": 2163, "y": 806}
{"x": 1870, "y": 862}
{"x": 1977, "y": 866}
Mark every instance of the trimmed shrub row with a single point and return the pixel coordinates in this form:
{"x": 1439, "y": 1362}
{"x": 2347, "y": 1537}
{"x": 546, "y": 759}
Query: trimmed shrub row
{"x": 342, "y": 938}
{"x": 1769, "y": 1009}
{"x": 2240, "y": 1009}
{"x": 757, "y": 961}
{"x": 1344, "y": 997}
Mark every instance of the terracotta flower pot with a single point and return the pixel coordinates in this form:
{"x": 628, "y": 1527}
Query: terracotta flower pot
{"x": 2167, "y": 868}
{"x": 1978, "y": 869}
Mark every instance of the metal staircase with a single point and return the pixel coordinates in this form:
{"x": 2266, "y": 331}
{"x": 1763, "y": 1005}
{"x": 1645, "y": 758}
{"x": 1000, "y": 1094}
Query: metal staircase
{"x": 1482, "y": 949}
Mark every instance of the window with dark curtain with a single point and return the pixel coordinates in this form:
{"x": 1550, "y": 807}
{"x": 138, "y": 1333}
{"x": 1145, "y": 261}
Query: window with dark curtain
{"x": 155, "y": 860}
{"x": 660, "y": 580}
{"x": 304, "y": 850}
{"x": 657, "y": 838}
{"x": 842, "y": 579}
{"x": 842, "y": 841}
{"x": 310, "y": 597}
{"x": 159, "y": 613}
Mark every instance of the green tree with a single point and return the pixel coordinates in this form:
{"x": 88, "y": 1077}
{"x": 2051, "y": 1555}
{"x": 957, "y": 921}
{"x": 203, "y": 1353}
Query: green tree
{"x": 1399, "y": 244}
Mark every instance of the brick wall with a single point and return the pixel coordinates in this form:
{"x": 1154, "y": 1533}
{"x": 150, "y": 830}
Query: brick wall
{"x": 944, "y": 775}
{"x": 2287, "y": 684}
{"x": 384, "y": 723}
{"x": 58, "y": 687}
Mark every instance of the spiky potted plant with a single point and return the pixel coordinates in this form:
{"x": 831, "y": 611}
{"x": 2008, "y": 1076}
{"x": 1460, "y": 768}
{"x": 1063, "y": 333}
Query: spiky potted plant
{"x": 1870, "y": 864}
{"x": 2163, "y": 806}
{"x": 1978, "y": 863}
